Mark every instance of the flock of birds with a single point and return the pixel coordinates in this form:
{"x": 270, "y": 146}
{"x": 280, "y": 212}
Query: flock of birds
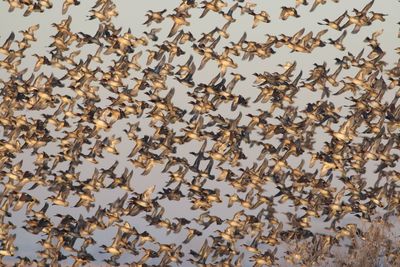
{"x": 329, "y": 184}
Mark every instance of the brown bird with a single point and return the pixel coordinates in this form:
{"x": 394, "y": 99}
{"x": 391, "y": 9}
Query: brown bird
{"x": 288, "y": 12}
{"x": 335, "y": 24}
{"x": 67, "y": 4}
{"x": 179, "y": 21}
{"x": 338, "y": 43}
{"x": 5, "y": 48}
{"x": 260, "y": 17}
{"x": 213, "y": 5}
{"x": 316, "y": 4}
{"x": 156, "y": 16}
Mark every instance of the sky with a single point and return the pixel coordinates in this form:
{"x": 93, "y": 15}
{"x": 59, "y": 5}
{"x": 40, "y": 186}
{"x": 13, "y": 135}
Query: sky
{"x": 131, "y": 16}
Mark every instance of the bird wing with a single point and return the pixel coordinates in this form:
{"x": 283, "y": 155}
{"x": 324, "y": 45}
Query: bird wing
{"x": 367, "y": 7}
{"x": 173, "y": 30}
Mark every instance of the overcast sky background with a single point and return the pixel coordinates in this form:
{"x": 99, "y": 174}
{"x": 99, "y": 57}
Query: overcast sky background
{"x": 132, "y": 15}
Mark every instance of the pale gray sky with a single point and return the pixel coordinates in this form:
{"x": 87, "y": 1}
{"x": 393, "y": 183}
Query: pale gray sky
{"x": 132, "y": 15}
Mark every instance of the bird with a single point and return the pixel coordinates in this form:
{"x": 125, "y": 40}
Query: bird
{"x": 179, "y": 21}
{"x": 338, "y": 43}
{"x": 5, "y": 48}
{"x": 288, "y": 12}
{"x": 152, "y": 34}
{"x": 213, "y": 5}
{"x": 263, "y": 16}
{"x": 156, "y": 16}
{"x": 335, "y": 24}
{"x": 228, "y": 15}
{"x": 67, "y": 4}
